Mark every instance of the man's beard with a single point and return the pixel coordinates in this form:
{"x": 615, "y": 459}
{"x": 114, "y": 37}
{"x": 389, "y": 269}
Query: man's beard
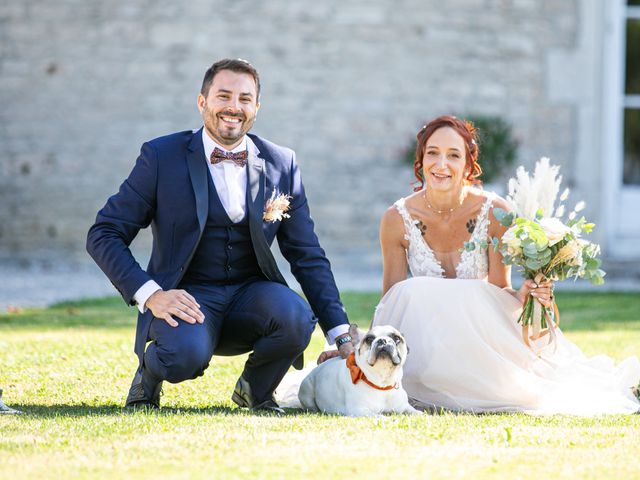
{"x": 223, "y": 135}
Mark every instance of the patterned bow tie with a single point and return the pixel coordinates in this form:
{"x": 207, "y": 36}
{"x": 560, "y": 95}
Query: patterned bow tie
{"x": 239, "y": 158}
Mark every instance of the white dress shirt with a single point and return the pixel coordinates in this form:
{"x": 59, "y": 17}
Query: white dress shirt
{"x": 230, "y": 181}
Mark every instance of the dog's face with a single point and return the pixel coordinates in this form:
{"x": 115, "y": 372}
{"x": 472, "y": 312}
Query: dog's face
{"x": 380, "y": 354}
{"x": 383, "y": 347}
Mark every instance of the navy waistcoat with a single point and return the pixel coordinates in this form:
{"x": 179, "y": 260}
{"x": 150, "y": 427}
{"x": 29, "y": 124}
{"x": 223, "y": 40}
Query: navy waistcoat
{"x": 225, "y": 253}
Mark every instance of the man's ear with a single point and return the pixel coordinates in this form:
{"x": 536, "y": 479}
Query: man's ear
{"x": 201, "y": 102}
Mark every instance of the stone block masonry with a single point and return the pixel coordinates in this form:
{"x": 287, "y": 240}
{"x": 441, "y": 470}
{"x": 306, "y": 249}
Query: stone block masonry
{"x": 346, "y": 84}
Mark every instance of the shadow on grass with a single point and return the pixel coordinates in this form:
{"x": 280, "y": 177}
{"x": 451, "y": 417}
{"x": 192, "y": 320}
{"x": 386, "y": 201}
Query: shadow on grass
{"x": 64, "y": 410}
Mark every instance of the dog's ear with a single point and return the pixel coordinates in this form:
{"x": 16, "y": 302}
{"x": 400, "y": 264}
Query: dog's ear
{"x": 355, "y": 333}
{"x": 405, "y": 343}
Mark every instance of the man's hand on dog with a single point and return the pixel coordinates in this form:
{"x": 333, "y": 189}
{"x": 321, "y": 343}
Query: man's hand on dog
{"x": 344, "y": 351}
{"x": 174, "y": 304}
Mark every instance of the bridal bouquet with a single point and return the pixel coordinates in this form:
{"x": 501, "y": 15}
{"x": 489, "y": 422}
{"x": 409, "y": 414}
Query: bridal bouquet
{"x": 543, "y": 245}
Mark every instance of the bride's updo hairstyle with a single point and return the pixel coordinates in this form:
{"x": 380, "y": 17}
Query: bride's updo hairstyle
{"x": 470, "y": 136}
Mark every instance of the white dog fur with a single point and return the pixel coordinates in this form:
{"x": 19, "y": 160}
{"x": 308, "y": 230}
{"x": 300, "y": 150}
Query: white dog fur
{"x": 380, "y": 354}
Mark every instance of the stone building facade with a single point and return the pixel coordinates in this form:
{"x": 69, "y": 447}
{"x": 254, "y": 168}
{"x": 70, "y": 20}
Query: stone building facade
{"x": 345, "y": 83}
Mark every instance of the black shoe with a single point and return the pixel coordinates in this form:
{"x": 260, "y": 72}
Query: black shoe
{"x": 243, "y": 397}
{"x": 269, "y": 406}
{"x": 242, "y": 394}
{"x": 144, "y": 392}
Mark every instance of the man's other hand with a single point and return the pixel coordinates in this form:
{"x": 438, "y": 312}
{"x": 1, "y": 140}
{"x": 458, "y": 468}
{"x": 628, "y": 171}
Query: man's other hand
{"x": 344, "y": 351}
{"x": 172, "y": 304}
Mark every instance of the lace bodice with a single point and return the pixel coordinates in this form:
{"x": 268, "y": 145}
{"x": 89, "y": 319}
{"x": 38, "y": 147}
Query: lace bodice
{"x": 474, "y": 264}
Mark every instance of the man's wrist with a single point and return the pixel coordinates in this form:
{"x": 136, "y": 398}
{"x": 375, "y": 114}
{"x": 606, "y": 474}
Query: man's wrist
{"x": 346, "y": 349}
{"x": 144, "y": 293}
{"x": 337, "y": 332}
{"x": 146, "y": 303}
{"x": 345, "y": 345}
{"x": 343, "y": 340}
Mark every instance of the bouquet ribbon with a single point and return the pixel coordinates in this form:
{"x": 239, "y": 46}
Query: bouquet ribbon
{"x": 551, "y": 318}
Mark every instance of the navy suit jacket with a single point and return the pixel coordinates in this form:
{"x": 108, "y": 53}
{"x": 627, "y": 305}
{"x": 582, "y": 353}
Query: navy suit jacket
{"x": 168, "y": 190}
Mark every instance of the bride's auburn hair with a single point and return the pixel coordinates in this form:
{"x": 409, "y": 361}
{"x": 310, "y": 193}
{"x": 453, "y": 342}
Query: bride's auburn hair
{"x": 468, "y": 133}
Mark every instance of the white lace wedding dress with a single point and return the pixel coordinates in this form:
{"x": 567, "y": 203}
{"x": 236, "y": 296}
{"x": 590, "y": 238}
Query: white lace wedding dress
{"x": 466, "y": 349}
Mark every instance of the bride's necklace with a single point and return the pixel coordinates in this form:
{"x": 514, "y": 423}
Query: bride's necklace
{"x": 439, "y": 212}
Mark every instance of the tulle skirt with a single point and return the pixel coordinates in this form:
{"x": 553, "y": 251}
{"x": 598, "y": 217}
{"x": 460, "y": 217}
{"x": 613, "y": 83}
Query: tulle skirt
{"x": 467, "y": 354}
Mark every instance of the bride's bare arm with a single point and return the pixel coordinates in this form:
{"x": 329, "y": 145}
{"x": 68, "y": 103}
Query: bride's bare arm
{"x": 392, "y": 242}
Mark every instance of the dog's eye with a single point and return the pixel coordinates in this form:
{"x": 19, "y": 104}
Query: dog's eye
{"x": 369, "y": 339}
{"x": 395, "y": 338}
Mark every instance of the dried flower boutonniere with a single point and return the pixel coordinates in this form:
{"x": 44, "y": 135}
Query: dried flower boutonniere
{"x": 276, "y": 207}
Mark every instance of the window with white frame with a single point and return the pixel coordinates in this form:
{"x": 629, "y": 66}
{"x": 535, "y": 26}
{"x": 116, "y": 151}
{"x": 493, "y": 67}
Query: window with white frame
{"x": 631, "y": 126}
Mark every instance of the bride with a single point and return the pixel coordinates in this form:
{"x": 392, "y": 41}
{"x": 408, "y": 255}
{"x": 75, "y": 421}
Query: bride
{"x": 458, "y": 311}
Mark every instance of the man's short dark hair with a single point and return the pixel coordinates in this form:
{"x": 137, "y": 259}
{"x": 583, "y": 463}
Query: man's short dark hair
{"x": 237, "y": 65}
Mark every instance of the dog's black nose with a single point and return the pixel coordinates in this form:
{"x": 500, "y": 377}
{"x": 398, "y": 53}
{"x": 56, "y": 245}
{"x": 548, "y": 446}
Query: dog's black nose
{"x": 383, "y": 342}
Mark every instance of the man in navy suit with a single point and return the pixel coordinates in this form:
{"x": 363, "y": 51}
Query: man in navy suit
{"x": 212, "y": 285}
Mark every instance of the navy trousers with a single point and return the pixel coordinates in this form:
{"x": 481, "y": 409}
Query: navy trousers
{"x": 265, "y": 318}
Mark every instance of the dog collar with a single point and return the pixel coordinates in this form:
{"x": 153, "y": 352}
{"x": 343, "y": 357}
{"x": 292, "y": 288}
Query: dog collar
{"x": 357, "y": 374}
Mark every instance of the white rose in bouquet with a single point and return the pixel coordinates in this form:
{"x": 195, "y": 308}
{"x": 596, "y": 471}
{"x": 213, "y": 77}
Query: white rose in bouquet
{"x": 554, "y": 228}
{"x": 513, "y": 242}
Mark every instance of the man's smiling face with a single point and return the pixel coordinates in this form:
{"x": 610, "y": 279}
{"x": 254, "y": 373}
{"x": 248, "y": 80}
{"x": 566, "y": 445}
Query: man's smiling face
{"x": 230, "y": 107}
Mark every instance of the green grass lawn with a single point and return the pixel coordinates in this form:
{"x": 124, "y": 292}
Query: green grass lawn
{"x": 69, "y": 367}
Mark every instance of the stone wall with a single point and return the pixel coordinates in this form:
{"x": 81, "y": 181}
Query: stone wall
{"x": 345, "y": 83}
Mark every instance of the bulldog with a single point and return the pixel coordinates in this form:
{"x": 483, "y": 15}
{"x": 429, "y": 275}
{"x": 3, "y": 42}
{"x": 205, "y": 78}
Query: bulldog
{"x": 366, "y": 383}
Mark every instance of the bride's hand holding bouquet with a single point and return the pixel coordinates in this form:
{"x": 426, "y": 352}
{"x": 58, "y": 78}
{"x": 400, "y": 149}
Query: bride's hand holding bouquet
{"x": 546, "y": 248}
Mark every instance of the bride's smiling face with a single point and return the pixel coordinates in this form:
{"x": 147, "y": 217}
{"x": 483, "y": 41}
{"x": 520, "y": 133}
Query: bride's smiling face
{"x": 444, "y": 162}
